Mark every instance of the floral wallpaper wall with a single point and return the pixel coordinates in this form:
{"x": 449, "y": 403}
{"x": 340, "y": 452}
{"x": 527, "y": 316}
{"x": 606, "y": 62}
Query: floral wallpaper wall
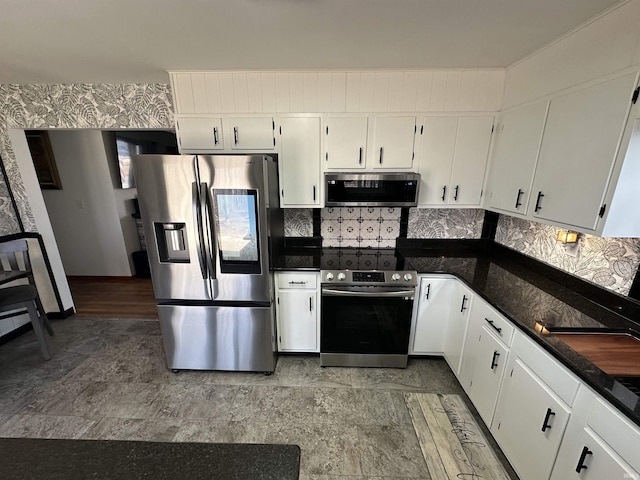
{"x": 609, "y": 262}
{"x": 445, "y": 223}
{"x": 104, "y": 106}
{"x": 298, "y": 222}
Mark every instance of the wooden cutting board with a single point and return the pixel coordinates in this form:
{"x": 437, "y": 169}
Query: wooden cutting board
{"x": 616, "y": 354}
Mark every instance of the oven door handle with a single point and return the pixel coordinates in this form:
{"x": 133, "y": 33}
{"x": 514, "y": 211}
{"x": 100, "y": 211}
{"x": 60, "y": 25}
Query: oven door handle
{"x": 347, "y": 293}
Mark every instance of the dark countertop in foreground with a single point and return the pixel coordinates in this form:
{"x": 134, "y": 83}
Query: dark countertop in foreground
{"x": 82, "y": 459}
{"x": 524, "y": 290}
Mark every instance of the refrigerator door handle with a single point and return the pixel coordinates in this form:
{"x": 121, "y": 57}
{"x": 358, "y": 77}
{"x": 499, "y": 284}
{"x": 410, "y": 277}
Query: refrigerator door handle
{"x": 210, "y": 237}
{"x": 197, "y": 217}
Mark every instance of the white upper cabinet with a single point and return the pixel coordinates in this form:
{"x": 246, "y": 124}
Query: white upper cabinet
{"x": 252, "y": 133}
{"x": 514, "y": 157}
{"x": 346, "y": 142}
{"x": 299, "y": 161}
{"x": 199, "y": 134}
{"x": 393, "y": 140}
{"x": 579, "y": 146}
{"x": 453, "y": 160}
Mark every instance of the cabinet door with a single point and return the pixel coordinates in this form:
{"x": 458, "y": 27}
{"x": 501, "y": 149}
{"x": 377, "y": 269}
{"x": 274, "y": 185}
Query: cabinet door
{"x": 199, "y": 134}
{"x": 514, "y": 157}
{"x": 393, "y": 142}
{"x": 297, "y": 315}
{"x": 300, "y": 161}
{"x": 457, "y": 326}
{"x": 588, "y": 450}
{"x": 470, "y": 160}
{"x": 489, "y": 357}
{"x": 252, "y": 133}
{"x": 436, "y": 159}
{"x": 578, "y": 149}
{"x": 431, "y": 316}
{"x": 346, "y": 142}
{"x": 528, "y": 409}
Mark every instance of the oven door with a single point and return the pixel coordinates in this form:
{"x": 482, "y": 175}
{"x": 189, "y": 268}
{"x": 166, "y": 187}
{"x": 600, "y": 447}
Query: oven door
{"x": 366, "y": 320}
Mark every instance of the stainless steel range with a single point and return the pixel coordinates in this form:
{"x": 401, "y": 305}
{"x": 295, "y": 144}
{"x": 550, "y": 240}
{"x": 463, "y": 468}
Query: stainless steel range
{"x": 366, "y": 317}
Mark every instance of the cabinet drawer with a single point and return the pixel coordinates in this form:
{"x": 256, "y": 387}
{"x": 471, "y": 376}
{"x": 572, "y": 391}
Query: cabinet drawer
{"x": 297, "y": 280}
{"x": 495, "y": 322}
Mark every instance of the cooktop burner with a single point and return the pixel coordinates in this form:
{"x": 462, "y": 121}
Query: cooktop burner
{"x": 353, "y": 259}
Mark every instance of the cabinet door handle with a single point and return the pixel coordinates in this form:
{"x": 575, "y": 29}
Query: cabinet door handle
{"x": 426, "y": 295}
{"x": 310, "y": 305}
{"x": 490, "y": 322}
{"x": 463, "y": 307}
{"x": 444, "y": 192}
{"x": 360, "y": 157}
{"x": 215, "y": 135}
{"x": 455, "y": 195}
{"x": 494, "y": 360}
{"x": 518, "y": 202}
{"x": 538, "y": 207}
{"x": 583, "y": 456}
{"x": 545, "y": 423}
{"x": 235, "y": 135}
{"x": 381, "y": 151}
{"x": 314, "y": 193}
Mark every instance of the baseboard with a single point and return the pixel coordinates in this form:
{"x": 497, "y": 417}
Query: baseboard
{"x": 60, "y": 315}
{"x": 7, "y": 337}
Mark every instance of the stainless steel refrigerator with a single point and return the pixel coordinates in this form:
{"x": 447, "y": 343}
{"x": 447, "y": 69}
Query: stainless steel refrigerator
{"x": 211, "y": 225}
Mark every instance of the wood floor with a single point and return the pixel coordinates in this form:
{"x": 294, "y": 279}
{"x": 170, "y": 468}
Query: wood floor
{"x": 127, "y": 297}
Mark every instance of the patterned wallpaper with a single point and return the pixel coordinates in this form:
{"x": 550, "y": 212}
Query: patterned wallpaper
{"x": 609, "y": 262}
{"x": 445, "y": 223}
{"x": 298, "y": 222}
{"x": 71, "y": 106}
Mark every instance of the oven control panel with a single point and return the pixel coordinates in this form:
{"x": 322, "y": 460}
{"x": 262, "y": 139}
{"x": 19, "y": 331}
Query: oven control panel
{"x": 369, "y": 277}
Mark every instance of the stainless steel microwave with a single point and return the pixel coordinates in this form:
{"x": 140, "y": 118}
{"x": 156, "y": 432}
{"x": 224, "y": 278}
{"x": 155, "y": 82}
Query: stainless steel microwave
{"x": 371, "y": 189}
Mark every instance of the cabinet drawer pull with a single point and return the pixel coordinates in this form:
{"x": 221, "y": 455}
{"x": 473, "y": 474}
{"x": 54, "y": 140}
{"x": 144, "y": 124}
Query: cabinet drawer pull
{"x": 494, "y": 360}
{"x": 518, "y": 202}
{"x": 444, "y": 192}
{"x": 463, "y": 307}
{"x": 583, "y": 456}
{"x": 360, "y": 157}
{"x": 490, "y": 322}
{"x": 455, "y": 195}
{"x": 215, "y": 135}
{"x": 538, "y": 207}
{"x": 545, "y": 423}
{"x": 426, "y": 295}
{"x": 235, "y": 135}
{"x": 381, "y": 155}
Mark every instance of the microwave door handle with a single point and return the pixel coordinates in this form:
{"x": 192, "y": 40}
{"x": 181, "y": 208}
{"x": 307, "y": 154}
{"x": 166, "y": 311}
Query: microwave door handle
{"x": 210, "y": 230}
{"x": 345, "y": 293}
{"x": 199, "y": 236}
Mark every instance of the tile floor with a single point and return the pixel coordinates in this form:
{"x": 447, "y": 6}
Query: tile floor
{"x": 108, "y": 380}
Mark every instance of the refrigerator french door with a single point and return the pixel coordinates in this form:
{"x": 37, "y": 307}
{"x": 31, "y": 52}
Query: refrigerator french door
{"x": 211, "y": 220}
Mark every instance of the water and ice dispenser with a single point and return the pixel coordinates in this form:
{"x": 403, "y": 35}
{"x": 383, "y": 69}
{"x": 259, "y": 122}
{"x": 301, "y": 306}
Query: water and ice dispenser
{"x": 171, "y": 238}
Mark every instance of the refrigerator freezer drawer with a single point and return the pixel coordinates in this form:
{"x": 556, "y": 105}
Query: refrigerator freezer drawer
{"x": 218, "y": 338}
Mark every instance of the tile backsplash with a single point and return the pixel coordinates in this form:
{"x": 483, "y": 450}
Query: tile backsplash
{"x": 365, "y": 227}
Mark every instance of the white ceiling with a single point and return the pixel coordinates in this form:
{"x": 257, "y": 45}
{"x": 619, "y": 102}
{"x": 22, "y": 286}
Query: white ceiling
{"x": 120, "y": 41}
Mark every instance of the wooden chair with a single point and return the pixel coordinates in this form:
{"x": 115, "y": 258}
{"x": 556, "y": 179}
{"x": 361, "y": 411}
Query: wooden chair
{"x": 15, "y": 264}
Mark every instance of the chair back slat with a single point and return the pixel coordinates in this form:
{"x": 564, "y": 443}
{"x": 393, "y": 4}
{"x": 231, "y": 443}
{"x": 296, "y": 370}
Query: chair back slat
{"x": 15, "y": 256}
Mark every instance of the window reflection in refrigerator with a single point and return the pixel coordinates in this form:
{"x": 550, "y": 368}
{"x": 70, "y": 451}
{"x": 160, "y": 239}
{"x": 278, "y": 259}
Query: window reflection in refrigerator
{"x": 236, "y": 225}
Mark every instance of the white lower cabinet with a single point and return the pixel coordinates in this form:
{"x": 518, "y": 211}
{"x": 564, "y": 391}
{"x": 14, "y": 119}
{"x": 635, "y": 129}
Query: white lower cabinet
{"x": 528, "y": 409}
{"x": 462, "y": 299}
{"x": 431, "y": 314}
{"x": 599, "y": 443}
{"x": 298, "y": 312}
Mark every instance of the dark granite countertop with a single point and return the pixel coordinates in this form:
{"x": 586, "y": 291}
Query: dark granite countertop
{"x": 82, "y": 459}
{"x": 524, "y": 290}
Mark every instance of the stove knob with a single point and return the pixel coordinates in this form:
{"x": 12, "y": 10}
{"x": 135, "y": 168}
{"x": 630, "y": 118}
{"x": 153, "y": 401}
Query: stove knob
{"x": 329, "y": 276}
{"x": 395, "y": 277}
{"x": 407, "y": 277}
{"x": 341, "y": 276}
